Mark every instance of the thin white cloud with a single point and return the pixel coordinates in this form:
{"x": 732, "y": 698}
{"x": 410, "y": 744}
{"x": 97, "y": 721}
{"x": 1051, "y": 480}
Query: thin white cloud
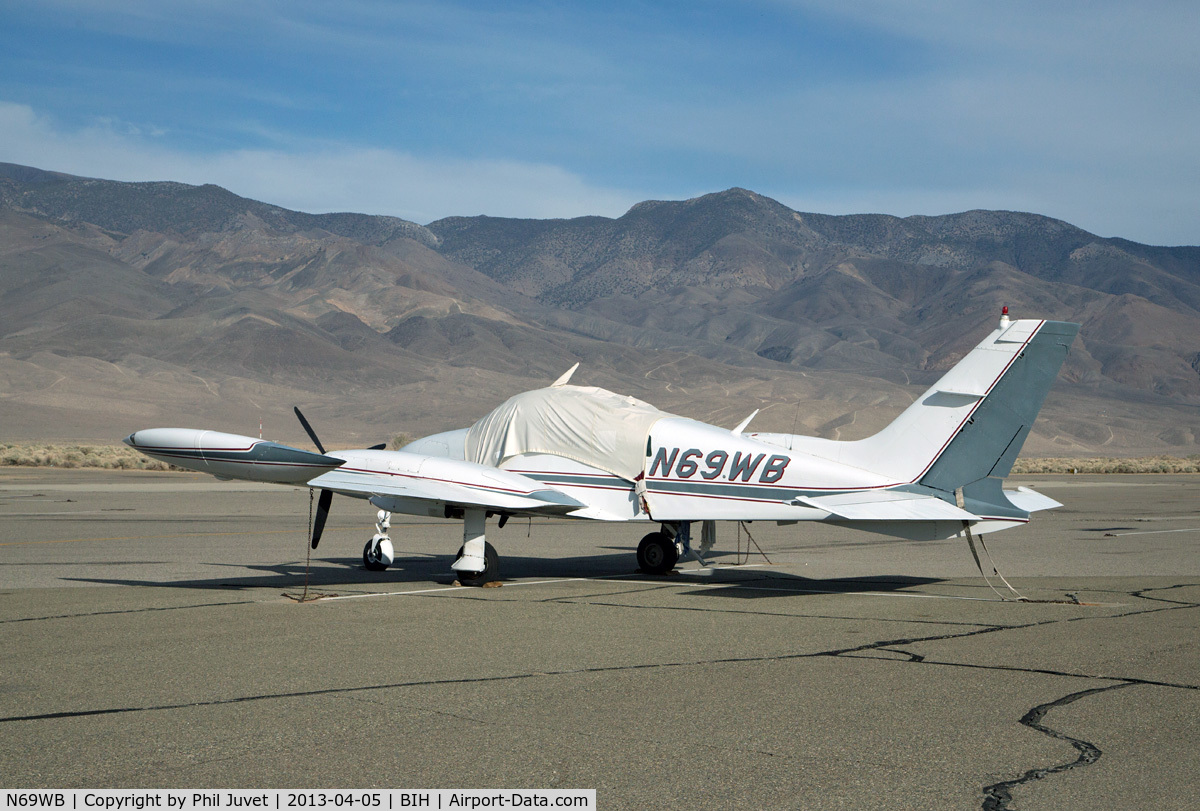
{"x": 317, "y": 179}
{"x": 1080, "y": 110}
{"x": 1084, "y": 112}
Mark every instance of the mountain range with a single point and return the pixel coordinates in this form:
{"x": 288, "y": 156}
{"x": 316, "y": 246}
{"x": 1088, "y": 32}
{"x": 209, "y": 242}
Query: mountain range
{"x": 132, "y": 305}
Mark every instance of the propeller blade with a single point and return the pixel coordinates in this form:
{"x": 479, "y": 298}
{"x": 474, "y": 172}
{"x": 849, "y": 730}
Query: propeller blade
{"x": 322, "y": 514}
{"x": 313, "y": 436}
{"x": 382, "y": 446}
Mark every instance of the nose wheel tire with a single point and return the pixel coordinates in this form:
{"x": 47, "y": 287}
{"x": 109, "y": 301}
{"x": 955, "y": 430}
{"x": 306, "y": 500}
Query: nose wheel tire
{"x": 491, "y": 568}
{"x": 657, "y": 554}
{"x": 372, "y": 560}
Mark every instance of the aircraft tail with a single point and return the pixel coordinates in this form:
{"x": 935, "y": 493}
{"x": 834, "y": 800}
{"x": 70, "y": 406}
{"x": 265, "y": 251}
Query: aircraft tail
{"x": 965, "y": 432}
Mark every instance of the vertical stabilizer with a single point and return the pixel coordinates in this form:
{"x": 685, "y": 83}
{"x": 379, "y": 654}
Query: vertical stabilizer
{"x": 987, "y": 443}
{"x": 972, "y": 423}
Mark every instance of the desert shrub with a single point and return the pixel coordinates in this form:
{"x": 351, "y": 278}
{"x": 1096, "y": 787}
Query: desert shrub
{"x": 106, "y": 457}
{"x": 1110, "y": 464}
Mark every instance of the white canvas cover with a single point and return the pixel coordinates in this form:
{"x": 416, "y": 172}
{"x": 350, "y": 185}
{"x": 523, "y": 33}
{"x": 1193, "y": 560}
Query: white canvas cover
{"x": 590, "y": 425}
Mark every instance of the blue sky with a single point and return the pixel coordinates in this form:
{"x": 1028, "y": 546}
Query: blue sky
{"x": 1083, "y": 111}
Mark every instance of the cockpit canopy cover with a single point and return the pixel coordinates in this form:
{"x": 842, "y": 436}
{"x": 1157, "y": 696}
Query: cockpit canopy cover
{"x": 588, "y": 424}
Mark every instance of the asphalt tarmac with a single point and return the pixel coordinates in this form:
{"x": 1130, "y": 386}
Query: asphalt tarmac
{"x": 145, "y": 641}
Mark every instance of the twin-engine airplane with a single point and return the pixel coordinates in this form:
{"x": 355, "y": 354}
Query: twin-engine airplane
{"x": 934, "y": 473}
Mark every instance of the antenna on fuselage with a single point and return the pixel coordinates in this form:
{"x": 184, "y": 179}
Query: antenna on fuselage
{"x": 562, "y": 381}
{"x": 741, "y": 426}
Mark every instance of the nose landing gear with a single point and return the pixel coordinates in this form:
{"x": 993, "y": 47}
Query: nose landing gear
{"x": 378, "y": 553}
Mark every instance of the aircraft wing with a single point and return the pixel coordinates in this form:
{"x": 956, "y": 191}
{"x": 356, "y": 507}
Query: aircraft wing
{"x": 509, "y": 492}
{"x": 887, "y": 505}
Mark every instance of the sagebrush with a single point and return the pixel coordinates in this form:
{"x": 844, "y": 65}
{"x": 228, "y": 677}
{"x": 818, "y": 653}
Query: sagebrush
{"x": 107, "y": 457}
{"x": 1110, "y": 464}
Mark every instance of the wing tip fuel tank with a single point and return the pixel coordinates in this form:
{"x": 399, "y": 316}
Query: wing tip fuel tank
{"x": 231, "y": 455}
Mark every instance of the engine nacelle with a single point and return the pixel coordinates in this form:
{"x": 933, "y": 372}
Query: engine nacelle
{"x": 231, "y": 456}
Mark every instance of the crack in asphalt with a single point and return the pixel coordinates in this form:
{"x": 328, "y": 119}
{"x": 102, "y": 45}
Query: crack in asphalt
{"x": 999, "y": 795}
{"x": 915, "y": 658}
{"x": 578, "y": 601}
{"x": 1142, "y": 593}
{"x": 487, "y": 679}
{"x": 126, "y": 611}
{"x": 887, "y": 644}
{"x": 1045, "y": 671}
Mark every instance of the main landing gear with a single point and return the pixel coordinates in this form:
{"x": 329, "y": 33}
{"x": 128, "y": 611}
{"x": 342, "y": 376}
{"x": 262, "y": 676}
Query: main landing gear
{"x": 491, "y": 567}
{"x": 477, "y": 562}
{"x": 659, "y": 551}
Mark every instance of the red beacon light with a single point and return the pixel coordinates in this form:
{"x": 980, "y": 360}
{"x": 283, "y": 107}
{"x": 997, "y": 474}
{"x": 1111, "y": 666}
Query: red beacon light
{"x": 1004, "y": 317}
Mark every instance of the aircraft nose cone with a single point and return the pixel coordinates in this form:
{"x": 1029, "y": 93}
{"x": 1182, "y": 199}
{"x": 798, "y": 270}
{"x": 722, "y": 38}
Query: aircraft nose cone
{"x": 130, "y": 440}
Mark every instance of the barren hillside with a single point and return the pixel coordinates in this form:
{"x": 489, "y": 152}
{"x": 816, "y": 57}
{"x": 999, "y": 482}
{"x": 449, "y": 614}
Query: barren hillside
{"x": 127, "y": 305}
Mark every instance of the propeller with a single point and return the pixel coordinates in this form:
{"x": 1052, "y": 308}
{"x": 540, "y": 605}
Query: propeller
{"x": 311, "y": 433}
{"x": 322, "y": 514}
{"x": 326, "y": 496}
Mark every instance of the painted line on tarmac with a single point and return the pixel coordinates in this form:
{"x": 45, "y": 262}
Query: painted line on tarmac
{"x": 605, "y": 579}
{"x": 459, "y": 588}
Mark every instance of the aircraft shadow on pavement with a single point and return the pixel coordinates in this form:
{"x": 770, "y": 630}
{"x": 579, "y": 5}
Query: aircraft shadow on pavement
{"x": 773, "y": 583}
{"x": 328, "y": 573}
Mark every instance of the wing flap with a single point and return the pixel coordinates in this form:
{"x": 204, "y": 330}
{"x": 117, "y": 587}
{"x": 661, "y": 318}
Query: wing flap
{"x": 537, "y": 498}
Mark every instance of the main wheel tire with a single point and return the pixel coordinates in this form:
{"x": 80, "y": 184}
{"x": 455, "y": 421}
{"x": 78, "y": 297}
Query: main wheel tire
{"x": 371, "y": 558}
{"x": 657, "y": 554}
{"x": 491, "y": 567}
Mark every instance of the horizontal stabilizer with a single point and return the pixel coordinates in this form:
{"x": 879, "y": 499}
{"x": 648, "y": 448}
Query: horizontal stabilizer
{"x": 887, "y": 505}
{"x": 1030, "y": 500}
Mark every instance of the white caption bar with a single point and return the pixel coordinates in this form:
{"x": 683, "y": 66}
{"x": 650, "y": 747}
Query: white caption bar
{"x": 293, "y": 799}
